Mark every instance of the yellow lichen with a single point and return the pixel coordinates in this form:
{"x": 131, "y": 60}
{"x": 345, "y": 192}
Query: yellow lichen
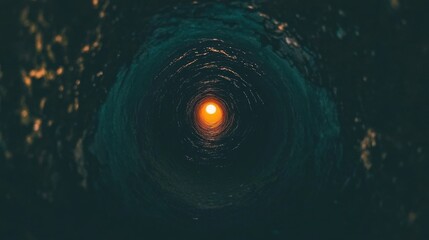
{"x": 368, "y": 142}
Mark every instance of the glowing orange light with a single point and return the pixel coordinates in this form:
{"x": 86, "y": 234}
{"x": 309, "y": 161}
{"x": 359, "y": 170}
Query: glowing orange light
{"x": 210, "y": 113}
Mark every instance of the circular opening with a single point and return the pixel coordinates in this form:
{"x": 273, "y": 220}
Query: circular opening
{"x": 210, "y": 113}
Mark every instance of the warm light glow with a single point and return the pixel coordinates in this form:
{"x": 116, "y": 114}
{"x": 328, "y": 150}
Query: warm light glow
{"x": 211, "y": 109}
{"x": 210, "y": 113}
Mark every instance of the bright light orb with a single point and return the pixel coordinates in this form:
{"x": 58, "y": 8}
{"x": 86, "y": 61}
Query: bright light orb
{"x": 211, "y": 109}
{"x": 210, "y": 113}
